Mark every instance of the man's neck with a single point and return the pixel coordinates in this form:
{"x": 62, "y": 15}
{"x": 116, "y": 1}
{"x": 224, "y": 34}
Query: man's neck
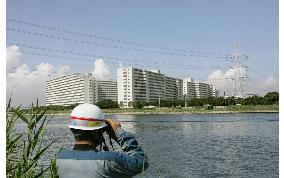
{"x": 84, "y": 142}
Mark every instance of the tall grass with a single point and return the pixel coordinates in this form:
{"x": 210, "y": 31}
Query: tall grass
{"x": 25, "y": 150}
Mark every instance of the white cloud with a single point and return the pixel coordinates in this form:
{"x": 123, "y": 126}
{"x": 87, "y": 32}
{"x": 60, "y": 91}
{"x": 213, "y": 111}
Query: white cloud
{"x": 101, "y": 70}
{"x": 267, "y": 84}
{"x": 222, "y": 80}
{"x": 12, "y": 58}
{"x": 270, "y": 82}
{"x": 25, "y": 85}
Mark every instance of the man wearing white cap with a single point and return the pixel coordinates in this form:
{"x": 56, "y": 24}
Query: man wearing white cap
{"x": 87, "y": 122}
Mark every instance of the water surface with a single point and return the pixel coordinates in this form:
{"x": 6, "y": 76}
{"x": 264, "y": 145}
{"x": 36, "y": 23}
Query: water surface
{"x": 199, "y": 145}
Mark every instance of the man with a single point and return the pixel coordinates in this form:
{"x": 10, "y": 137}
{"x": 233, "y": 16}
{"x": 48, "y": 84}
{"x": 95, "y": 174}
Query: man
{"x": 86, "y": 160}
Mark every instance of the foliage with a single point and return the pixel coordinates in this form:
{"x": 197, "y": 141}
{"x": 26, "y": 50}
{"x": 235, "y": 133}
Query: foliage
{"x": 25, "y": 150}
{"x": 252, "y": 100}
{"x": 52, "y": 107}
{"x": 271, "y": 98}
{"x": 138, "y": 104}
{"x": 108, "y": 103}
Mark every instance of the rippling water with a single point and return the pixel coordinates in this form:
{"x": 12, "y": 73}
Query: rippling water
{"x": 201, "y": 145}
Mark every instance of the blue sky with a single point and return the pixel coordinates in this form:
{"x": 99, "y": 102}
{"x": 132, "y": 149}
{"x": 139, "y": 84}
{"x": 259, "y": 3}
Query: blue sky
{"x": 184, "y": 27}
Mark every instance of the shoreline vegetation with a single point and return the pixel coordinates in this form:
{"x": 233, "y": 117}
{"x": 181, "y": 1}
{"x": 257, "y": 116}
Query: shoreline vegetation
{"x": 26, "y": 149}
{"x": 189, "y": 110}
{"x": 268, "y": 103}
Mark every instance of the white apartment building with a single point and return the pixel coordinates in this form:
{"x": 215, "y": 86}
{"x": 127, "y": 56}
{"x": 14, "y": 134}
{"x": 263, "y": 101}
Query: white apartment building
{"x": 155, "y": 85}
{"x": 70, "y": 89}
{"x": 214, "y": 91}
{"x": 197, "y": 89}
{"x": 202, "y": 90}
{"x": 179, "y": 88}
{"x": 188, "y": 88}
{"x": 148, "y": 85}
{"x": 105, "y": 90}
{"x": 131, "y": 85}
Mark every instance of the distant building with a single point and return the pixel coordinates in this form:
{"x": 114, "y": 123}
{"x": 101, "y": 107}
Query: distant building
{"x": 77, "y": 89}
{"x": 214, "y": 91}
{"x": 132, "y": 85}
{"x": 70, "y": 89}
{"x": 106, "y": 90}
{"x": 202, "y": 90}
{"x": 173, "y": 88}
{"x": 147, "y": 85}
{"x": 197, "y": 89}
{"x": 188, "y": 88}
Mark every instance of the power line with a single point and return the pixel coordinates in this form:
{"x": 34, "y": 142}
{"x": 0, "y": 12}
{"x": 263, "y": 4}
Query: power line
{"x": 75, "y": 11}
{"x": 93, "y": 60}
{"x": 90, "y": 56}
{"x": 193, "y": 53}
{"x": 45, "y": 35}
{"x": 92, "y": 35}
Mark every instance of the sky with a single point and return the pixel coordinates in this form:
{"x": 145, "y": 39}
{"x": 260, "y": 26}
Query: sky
{"x": 46, "y": 39}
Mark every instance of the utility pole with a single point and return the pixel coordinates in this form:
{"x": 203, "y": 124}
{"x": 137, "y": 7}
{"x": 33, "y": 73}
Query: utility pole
{"x": 238, "y": 70}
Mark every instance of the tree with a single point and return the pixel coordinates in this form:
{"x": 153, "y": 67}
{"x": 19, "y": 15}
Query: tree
{"x": 253, "y": 100}
{"x": 271, "y": 98}
{"x": 121, "y": 104}
{"x": 138, "y": 104}
{"x": 108, "y": 103}
{"x": 231, "y": 101}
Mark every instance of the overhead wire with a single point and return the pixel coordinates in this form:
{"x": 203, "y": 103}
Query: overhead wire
{"x": 109, "y": 62}
{"x": 92, "y": 35}
{"x": 89, "y": 19}
{"x": 109, "y": 58}
{"x": 183, "y": 52}
{"x": 86, "y": 42}
{"x": 184, "y": 66}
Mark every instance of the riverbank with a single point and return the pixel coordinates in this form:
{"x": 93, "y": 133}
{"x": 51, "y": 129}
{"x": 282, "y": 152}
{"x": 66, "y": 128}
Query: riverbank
{"x": 195, "y": 110}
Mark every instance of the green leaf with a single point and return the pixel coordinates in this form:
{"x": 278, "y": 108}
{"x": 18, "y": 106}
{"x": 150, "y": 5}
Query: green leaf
{"x": 12, "y": 143}
{"x": 19, "y": 113}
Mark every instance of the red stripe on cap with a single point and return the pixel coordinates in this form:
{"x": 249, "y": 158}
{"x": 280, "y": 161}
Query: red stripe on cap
{"x": 85, "y": 119}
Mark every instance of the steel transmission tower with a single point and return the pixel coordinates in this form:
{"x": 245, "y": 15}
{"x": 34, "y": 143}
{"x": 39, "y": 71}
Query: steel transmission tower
{"x": 238, "y": 70}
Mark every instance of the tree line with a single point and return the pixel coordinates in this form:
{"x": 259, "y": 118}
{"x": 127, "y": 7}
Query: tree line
{"x": 269, "y": 99}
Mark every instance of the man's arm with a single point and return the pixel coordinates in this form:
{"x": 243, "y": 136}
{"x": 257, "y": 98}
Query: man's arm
{"x": 134, "y": 160}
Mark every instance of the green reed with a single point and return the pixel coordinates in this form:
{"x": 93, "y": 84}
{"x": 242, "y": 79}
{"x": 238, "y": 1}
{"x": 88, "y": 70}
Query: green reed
{"x": 24, "y": 151}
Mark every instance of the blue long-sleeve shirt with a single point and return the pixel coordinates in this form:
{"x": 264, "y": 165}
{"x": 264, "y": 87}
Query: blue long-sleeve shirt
{"x": 87, "y": 163}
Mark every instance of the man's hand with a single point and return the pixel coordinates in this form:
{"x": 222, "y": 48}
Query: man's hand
{"x": 113, "y": 125}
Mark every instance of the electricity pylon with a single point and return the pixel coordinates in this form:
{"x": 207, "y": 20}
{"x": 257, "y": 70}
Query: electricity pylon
{"x": 238, "y": 70}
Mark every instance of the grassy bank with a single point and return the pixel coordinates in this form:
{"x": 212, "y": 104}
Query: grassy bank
{"x": 195, "y": 110}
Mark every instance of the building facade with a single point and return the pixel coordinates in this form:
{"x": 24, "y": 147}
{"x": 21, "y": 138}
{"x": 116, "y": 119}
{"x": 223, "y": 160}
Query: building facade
{"x": 105, "y": 90}
{"x": 131, "y": 85}
{"x": 77, "y": 89}
{"x": 214, "y": 91}
{"x": 146, "y": 85}
{"x": 188, "y": 88}
{"x": 197, "y": 89}
{"x": 202, "y": 90}
{"x": 70, "y": 89}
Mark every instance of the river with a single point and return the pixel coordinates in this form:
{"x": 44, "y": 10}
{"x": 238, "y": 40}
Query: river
{"x": 198, "y": 145}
